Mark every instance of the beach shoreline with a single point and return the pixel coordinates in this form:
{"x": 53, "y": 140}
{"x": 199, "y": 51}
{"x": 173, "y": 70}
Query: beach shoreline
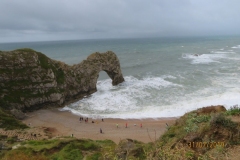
{"x": 65, "y": 123}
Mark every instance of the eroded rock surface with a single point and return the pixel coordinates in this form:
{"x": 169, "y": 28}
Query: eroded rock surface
{"x": 30, "y": 80}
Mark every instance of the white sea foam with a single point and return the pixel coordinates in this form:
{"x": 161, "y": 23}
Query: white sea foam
{"x": 227, "y": 99}
{"x": 223, "y": 52}
{"x": 122, "y": 98}
{"x": 204, "y": 58}
{"x": 122, "y": 101}
{"x": 238, "y": 46}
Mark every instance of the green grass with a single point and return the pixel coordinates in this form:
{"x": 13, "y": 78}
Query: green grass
{"x": 60, "y": 76}
{"x": 221, "y": 120}
{"x": 25, "y": 50}
{"x": 13, "y": 96}
{"x": 11, "y": 140}
{"x": 215, "y": 126}
{"x": 87, "y": 145}
{"x": 67, "y": 148}
{"x": 95, "y": 156}
{"x": 172, "y": 132}
{"x": 42, "y": 144}
{"x": 68, "y": 152}
{"x": 193, "y": 120}
{"x": 46, "y": 63}
{"x": 233, "y": 111}
{"x": 59, "y": 149}
{"x": 23, "y": 153}
{"x": 9, "y": 122}
{"x": 105, "y": 142}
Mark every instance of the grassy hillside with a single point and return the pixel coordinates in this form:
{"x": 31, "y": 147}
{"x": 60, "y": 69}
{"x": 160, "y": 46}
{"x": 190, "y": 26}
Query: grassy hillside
{"x": 196, "y": 135}
{"x": 9, "y": 122}
{"x": 200, "y": 136}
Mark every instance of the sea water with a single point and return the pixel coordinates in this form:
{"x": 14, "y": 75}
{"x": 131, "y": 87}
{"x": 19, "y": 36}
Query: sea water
{"x": 164, "y": 77}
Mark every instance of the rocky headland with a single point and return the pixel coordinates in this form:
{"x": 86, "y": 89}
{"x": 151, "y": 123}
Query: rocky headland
{"x": 29, "y": 80}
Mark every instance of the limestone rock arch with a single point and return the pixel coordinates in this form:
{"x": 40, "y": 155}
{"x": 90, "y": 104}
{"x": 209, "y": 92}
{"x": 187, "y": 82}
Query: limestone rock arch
{"x": 109, "y": 63}
{"x": 94, "y": 64}
{"x": 30, "y": 80}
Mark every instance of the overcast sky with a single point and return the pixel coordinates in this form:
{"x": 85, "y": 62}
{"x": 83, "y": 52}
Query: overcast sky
{"x": 37, "y": 20}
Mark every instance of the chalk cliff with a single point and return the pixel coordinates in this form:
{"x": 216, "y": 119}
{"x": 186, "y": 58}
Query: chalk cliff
{"x": 30, "y": 80}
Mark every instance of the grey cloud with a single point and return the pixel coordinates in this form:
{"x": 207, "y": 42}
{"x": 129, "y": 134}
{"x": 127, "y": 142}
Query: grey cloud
{"x": 80, "y": 19}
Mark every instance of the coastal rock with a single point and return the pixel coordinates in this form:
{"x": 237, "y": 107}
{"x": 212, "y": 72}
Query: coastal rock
{"x": 129, "y": 148}
{"x": 211, "y": 109}
{"x": 18, "y": 114}
{"x": 30, "y": 80}
{"x": 191, "y": 138}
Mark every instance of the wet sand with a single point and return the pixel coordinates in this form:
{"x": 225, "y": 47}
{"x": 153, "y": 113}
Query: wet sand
{"x": 64, "y": 123}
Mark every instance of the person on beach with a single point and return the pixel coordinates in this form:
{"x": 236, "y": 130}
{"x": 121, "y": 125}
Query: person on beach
{"x": 141, "y": 125}
{"x": 102, "y": 119}
{"x": 167, "y": 126}
{"x": 117, "y": 125}
{"x": 126, "y": 125}
{"x": 100, "y": 130}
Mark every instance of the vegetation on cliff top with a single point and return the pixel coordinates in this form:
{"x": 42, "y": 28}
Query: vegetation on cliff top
{"x": 9, "y": 122}
{"x": 44, "y": 62}
{"x": 200, "y": 136}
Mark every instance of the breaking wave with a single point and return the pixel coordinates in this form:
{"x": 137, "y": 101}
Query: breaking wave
{"x": 130, "y": 96}
{"x": 204, "y": 58}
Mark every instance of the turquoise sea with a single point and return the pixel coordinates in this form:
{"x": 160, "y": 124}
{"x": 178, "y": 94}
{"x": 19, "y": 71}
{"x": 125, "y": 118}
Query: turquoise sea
{"x": 164, "y": 77}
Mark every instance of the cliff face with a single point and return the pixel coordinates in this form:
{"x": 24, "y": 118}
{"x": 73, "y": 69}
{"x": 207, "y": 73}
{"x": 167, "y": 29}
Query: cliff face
{"x": 30, "y": 80}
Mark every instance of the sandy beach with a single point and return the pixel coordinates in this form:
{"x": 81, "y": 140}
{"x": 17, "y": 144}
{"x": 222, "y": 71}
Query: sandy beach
{"x": 64, "y": 123}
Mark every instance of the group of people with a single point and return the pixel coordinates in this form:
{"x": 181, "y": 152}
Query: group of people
{"x": 81, "y": 119}
{"x": 86, "y": 120}
{"x": 126, "y": 125}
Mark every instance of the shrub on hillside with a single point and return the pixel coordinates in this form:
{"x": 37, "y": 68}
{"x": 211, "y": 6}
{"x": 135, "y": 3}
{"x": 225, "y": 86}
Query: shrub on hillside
{"x": 234, "y": 110}
{"x": 221, "y": 120}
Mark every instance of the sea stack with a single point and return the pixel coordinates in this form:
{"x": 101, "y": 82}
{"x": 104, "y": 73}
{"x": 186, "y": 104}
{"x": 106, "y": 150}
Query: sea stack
{"x": 30, "y": 80}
